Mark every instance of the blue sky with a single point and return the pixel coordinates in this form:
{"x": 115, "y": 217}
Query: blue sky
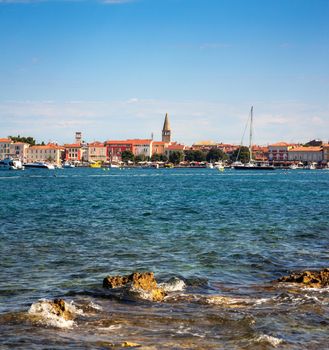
{"x": 112, "y": 69}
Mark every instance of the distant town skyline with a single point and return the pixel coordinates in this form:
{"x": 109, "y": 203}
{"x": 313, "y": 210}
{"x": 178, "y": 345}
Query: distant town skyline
{"x": 113, "y": 69}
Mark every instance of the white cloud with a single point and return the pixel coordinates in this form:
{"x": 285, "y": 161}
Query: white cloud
{"x": 191, "y": 121}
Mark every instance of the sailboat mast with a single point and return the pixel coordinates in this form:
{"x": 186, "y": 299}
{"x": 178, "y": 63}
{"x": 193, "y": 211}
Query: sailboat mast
{"x": 250, "y": 136}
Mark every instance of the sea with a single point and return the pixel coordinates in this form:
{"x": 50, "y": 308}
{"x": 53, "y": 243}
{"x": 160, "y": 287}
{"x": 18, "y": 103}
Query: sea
{"x": 217, "y": 242}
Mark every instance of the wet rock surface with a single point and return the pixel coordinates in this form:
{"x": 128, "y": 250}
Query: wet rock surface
{"x": 139, "y": 285}
{"x": 312, "y": 279}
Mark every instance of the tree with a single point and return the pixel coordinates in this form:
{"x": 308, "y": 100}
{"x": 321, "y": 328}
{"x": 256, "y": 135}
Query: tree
{"x": 176, "y": 157}
{"x": 140, "y": 158}
{"x": 127, "y": 156}
{"x": 156, "y": 157}
{"x": 199, "y": 156}
{"x": 163, "y": 158}
{"x": 241, "y": 154}
{"x": 216, "y": 154}
{"x": 195, "y": 156}
{"x": 30, "y": 140}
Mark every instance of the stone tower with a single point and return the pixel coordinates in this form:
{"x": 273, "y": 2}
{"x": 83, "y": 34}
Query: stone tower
{"x": 166, "y": 131}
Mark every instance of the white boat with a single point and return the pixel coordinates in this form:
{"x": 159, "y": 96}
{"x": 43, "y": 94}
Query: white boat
{"x": 68, "y": 165}
{"x": 39, "y": 165}
{"x": 11, "y": 164}
{"x": 210, "y": 166}
{"x": 252, "y": 165}
{"x": 311, "y": 166}
{"x": 219, "y": 166}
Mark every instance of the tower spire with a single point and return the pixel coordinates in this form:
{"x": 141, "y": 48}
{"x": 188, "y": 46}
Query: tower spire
{"x": 166, "y": 131}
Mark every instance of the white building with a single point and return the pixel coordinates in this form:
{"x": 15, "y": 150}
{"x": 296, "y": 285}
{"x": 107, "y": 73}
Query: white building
{"x": 49, "y": 153}
{"x": 5, "y": 148}
{"x": 18, "y": 150}
{"x": 142, "y": 147}
{"x": 306, "y": 154}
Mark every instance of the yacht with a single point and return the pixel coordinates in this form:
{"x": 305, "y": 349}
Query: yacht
{"x": 252, "y": 165}
{"x": 11, "y": 164}
{"x": 39, "y": 165}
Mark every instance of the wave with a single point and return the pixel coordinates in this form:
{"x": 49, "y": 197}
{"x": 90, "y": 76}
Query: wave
{"x": 264, "y": 338}
{"x": 45, "y": 313}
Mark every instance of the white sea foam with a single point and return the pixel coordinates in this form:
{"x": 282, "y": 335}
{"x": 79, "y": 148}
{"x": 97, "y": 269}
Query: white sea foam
{"x": 173, "y": 285}
{"x": 269, "y": 339}
{"x": 110, "y": 328}
{"x": 95, "y": 306}
{"x": 46, "y": 315}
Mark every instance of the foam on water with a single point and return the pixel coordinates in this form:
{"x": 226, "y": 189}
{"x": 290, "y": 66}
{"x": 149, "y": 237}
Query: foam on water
{"x": 45, "y": 314}
{"x": 173, "y": 285}
{"x": 269, "y": 339}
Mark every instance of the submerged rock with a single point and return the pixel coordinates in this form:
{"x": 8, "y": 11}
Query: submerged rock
{"x": 56, "y": 313}
{"x": 141, "y": 285}
{"x": 313, "y": 279}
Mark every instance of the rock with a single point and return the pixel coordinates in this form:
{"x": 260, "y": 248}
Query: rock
{"x": 58, "y": 307}
{"x": 313, "y": 279}
{"x": 142, "y": 285}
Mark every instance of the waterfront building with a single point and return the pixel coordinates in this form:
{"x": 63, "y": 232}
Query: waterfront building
{"x": 174, "y": 147}
{"x": 5, "y": 147}
{"x": 325, "y": 149}
{"x": 158, "y": 147}
{"x": 142, "y": 147}
{"x": 47, "y": 153}
{"x": 114, "y": 149}
{"x": 96, "y": 152}
{"x": 260, "y": 153}
{"x": 204, "y": 145}
{"x": 73, "y": 152}
{"x": 18, "y": 150}
{"x": 305, "y": 154}
{"x": 166, "y": 130}
{"x": 278, "y": 152}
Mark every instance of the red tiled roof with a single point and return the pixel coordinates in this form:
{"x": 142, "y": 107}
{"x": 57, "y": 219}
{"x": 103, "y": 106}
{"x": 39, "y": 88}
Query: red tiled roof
{"x": 72, "y": 145}
{"x": 5, "y": 140}
{"x": 306, "y": 149}
{"x": 96, "y": 144}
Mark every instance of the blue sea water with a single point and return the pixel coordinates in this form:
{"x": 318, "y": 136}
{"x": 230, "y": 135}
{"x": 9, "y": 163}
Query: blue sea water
{"x": 226, "y": 235}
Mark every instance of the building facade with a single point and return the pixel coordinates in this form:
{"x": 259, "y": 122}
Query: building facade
{"x": 278, "y": 152}
{"x": 305, "y": 154}
{"x": 115, "y": 148}
{"x": 96, "y": 152}
{"x": 48, "y": 153}
{"x": 5, "y": 148}
{"x": 142, "y": 147}
{"x": 18, "y": 150}
{"x": 73, "y": 152}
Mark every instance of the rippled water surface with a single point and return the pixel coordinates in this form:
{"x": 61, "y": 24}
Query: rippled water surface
{"x": 227, "y": 235}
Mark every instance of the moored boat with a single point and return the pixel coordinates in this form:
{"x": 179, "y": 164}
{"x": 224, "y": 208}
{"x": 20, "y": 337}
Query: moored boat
{"x": 11, "y": 164}
{"x": 252, "y": 164}
{"x": 39, "y": 165}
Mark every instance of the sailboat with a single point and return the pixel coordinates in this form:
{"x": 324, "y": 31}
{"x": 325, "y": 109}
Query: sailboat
{"x": 252, "y": 164}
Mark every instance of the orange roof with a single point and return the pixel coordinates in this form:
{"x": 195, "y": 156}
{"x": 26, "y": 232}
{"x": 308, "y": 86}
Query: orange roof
{"x": 72, "y": 145}
{"x": 159, "y": 143}
{"x": 119, "y": 142}
{"x": 176, "y": 147}
{"x": 140, "y": 141}
{"x": 96, "y": 144}
{"x": 46, "y": 147}
{"x": 306, "y": 149}
{"x": 5, "y": 140}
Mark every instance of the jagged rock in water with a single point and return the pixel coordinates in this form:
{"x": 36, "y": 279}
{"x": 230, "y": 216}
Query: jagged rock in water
{"x": 313, "y": 279}
{"x": 58, "y": 307}
{"x": 142, "y": 285}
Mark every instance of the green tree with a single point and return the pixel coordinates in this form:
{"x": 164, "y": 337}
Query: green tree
{"x": 215, "y": 154}
{"x": 199, "y": 156}
{"x": 163, "y": 158}
{"x": 189, "y": 155}
{"x": 127, "y": 156}
{"x": 241, "y": 154}
{"x": 176, "y": 157}
{"x": 155, "y": 157}
{"x": 30, "y": 140}
{"x": 140, "y": 158}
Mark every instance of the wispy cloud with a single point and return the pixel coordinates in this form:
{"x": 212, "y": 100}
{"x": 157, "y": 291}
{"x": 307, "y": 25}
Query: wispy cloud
{"x": 191, "y": 120}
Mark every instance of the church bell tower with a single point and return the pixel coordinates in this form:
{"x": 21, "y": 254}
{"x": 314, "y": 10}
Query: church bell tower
{"x": 166, "y": 131}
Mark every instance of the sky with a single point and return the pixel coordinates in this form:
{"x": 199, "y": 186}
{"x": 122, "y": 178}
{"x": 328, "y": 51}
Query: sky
{"x": 112, "y": 69}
